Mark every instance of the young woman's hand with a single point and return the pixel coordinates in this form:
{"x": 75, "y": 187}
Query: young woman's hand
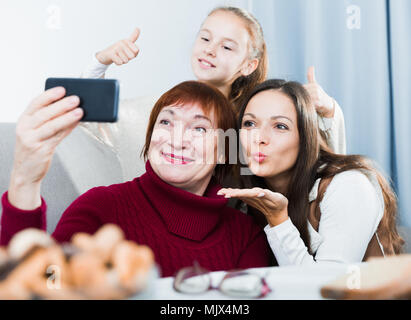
{"x": 273, "y": 205}
{"x": 121, "y": 52}
{"x": 323, "y": 103}
{"x": 48, "y": 119}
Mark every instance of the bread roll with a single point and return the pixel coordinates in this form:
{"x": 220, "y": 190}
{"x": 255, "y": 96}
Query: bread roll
{"x": 132, "y": 263}
{"x": 23, "y": 241}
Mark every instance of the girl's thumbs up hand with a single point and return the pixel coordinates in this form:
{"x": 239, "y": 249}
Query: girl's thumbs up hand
{"x": 323, "y": 103}
{"x": 120, "y": 52}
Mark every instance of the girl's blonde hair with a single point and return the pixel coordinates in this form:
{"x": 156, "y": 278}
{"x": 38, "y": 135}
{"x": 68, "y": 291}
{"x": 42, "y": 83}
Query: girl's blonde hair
{"x": 258, "y": 50}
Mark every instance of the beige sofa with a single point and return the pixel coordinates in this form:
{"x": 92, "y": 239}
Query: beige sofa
{"x": 79, "y": 164}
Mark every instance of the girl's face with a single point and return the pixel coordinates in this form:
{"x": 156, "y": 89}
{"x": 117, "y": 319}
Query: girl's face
{"x": 269, "y": 134}
{"x": 183, "y": 147}
{"x": 221, "y": 51}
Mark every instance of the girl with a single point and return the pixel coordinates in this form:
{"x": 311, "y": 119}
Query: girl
{"x": 320, "y": 207}
{"x": 229, "y": 53}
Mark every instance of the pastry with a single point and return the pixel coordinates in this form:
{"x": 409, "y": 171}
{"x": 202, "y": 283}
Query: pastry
{"x": 132, "y": 263}
{"x": 24, "y": 240}
{"x": 99, "y": 266}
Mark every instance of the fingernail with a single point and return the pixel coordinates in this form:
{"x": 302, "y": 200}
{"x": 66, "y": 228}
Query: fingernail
{"x": 262, "y": 194}
{"x": 74, "y": 100}
{"x": 59, "y": 90}
{"x": 78, "y": 112}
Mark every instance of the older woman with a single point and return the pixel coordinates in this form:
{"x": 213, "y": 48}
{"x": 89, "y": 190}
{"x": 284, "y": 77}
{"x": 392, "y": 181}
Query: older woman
{"x": 173, "y": 207}
{"x": 320, "y": 207}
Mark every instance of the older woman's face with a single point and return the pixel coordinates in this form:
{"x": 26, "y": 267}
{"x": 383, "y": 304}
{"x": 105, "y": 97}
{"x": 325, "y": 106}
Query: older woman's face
{"x": 183, "y": 146}
{"x": 269, "y": 134}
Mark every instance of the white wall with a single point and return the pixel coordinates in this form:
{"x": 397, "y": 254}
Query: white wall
{"x": 56, "y": 38}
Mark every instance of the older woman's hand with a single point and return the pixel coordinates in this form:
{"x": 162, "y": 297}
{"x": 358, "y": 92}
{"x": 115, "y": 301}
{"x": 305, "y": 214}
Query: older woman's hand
{"x": 272, "y": 204}
{"x": 48, "y": 119}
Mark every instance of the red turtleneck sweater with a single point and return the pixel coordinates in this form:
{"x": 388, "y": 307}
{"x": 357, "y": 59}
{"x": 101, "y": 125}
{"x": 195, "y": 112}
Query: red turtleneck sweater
{"x": 180, "y": 227}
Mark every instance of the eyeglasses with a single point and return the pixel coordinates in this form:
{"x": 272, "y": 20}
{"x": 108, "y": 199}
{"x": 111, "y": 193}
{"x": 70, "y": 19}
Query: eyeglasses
{"x": 240, "y": 284}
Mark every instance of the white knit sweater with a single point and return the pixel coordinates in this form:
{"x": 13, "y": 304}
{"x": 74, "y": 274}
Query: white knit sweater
{"x": 351, "y": 209}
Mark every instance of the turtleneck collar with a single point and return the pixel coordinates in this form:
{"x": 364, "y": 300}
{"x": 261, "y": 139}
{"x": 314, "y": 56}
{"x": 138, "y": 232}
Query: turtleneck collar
{"x": 184, "y": 214}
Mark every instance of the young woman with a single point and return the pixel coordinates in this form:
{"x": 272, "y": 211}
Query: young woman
{"x": 320, "y": 207}
{"x": 173, "y": 207}
{"x": 229, "y": 53}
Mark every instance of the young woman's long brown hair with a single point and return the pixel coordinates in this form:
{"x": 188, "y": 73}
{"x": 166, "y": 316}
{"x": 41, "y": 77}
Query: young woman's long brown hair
{"x": 313, "y": 154}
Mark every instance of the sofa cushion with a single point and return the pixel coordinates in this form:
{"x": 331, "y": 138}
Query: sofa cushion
{"x": 126, "y": 137}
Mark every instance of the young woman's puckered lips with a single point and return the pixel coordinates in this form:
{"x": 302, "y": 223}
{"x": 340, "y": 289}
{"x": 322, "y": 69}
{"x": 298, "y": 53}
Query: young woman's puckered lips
{"x": 259, "y": 157}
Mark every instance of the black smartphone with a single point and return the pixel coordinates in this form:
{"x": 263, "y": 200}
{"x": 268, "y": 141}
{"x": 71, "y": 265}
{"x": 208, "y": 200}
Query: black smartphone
{"x": 98, "y": 97}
